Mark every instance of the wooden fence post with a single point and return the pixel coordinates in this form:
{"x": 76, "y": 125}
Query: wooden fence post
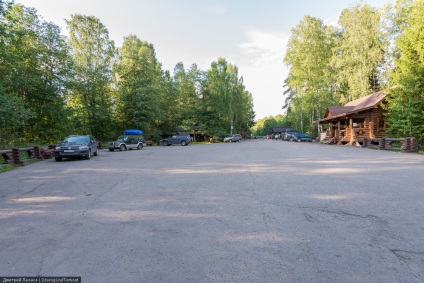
{"x": 37, "y": 152}
{"x": 16, "y": 157}
{"x": 413, "y": 145}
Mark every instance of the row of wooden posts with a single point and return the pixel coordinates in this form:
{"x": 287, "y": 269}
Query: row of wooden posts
{"x": 403, "y": 144}
{"x": 13, "y": 156}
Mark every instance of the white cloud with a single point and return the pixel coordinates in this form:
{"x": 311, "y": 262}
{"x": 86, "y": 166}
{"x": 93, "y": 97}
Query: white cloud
{"x": 264, "y": 47}
{"x": 261, "y": 65}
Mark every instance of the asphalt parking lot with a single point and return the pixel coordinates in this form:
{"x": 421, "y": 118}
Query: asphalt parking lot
{"x": 254, "y": 211}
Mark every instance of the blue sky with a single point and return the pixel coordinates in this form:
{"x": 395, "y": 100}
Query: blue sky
{"x": 251, "y": 34}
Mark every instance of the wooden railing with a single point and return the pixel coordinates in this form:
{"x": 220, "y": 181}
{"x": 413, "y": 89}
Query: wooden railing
{"x": 13, "y": 156}
{"x": 406, "y": 144}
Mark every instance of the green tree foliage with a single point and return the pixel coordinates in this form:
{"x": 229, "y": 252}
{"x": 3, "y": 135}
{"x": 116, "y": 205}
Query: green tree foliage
{"x": 138, "y": 78}
{"x": 170, "y": 119}
{"x": 13, "y": 115}
{"x": 90, "y": 84}
{"x": 226, "y": 105}
{"x": 310, "y": 80}
{"x": 406, "y": 97}
{"x": 33, "y": 64}
{"x": 51, "y": 87}
{"x": 359, "y": 52}
{"x": 188, "y": 105}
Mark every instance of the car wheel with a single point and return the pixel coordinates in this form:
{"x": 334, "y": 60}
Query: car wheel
{"x": 165, "y": 143}
{"x": 111, "y": 149}
{"x": 140, "y": 146}
{"x": 88, "y": 155}
{"x": 231, "y": 140}
{"x": 183, "y": 143}
{"x": 122, "y": 147}
{"x": 299, "y": 140}
{"x": 291, "y": 139}
{"x": 96, "y": 153}
{"x": 58, "y": 158}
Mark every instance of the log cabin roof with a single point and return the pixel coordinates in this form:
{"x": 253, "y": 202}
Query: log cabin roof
{"x": 366, "y": 102}
{"x": 337, "y": 110}
{"x": 358, "y": 105}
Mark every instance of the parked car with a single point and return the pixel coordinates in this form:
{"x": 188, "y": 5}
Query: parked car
{"x": 288, "y": 135}
{"x": 131, "y": 139}
{"x": 301, "y": 137}
{"x": 233, "y": 138}
{"x": 183, "y": 139}
{"x": 76, "y": 146}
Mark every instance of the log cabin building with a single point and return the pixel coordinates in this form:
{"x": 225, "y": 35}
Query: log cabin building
{"x": 351, "y": 123}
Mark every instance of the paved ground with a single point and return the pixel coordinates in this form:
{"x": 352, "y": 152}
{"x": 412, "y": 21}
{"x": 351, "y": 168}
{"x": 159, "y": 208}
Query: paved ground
{"x": 255, "y": 211}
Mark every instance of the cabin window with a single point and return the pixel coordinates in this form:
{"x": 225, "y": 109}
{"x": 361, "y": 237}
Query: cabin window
{"x": 358, "y": 123}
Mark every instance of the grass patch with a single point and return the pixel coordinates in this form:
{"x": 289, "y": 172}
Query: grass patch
{"x": 24, "y": 155}
{"x": 5, "y": 168}
{"x": 203, "y": 142}
{"x": 31, "y": 161}
{"x": 396, "y": 144}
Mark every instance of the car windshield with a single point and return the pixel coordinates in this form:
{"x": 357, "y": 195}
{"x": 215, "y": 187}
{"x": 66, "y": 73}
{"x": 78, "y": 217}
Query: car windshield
{"x": 122, "y": 138}
{"x": 76, "y": 139}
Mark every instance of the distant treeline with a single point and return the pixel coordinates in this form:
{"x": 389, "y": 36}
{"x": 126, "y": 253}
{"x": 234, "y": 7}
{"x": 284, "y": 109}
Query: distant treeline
{"x": 52, "y": 86}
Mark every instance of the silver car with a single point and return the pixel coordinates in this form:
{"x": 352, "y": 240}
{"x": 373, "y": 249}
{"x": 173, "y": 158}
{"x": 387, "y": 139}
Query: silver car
{"x": 126, "y": 142}
{"x": 233, "y": 138}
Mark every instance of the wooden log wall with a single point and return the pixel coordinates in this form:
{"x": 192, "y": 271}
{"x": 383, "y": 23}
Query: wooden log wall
{"x": 13, "y": 156}
{"x": 406, "y": 144}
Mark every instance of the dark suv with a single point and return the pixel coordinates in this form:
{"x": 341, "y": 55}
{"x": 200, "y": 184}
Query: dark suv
{"x": 183, "y": 139}
{"x": 76, "y": 146}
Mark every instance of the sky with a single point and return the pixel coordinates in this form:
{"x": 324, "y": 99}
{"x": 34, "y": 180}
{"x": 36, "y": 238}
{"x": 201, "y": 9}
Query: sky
{"x": 251, "y": 34}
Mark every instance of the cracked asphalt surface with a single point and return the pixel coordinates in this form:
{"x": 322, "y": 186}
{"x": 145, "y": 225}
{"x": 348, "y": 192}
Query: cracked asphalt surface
{"x": 254, "y": 211}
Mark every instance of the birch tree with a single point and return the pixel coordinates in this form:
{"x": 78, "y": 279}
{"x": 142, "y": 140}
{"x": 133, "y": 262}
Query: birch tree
{"x": 310, "y": 79}
{"x": 90, "y": 85}
{"x": 359, "y": 52}
{"x": 138, "y": 80}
